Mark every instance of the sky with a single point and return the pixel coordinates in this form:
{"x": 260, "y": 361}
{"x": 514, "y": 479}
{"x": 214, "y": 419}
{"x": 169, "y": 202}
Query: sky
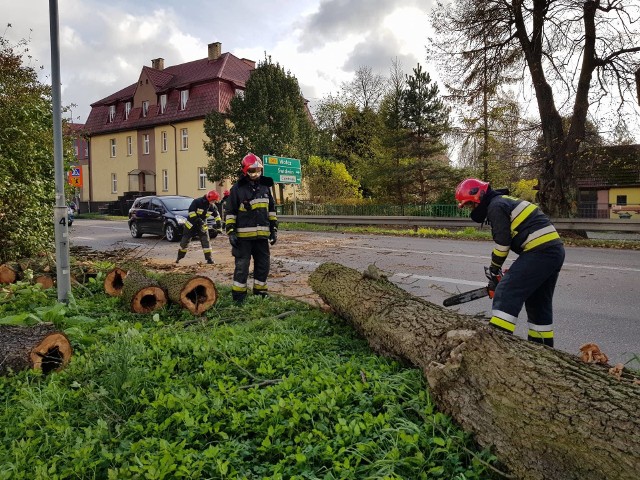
{"x": 104, "y": 45}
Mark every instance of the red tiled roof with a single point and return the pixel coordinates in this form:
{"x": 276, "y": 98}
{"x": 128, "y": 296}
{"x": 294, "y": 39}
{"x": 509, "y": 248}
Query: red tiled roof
{"x": 211, "y": 86}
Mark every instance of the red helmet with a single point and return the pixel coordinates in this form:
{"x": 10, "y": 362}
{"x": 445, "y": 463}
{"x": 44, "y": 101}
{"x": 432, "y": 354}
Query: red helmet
{"x": 251, "y": 161}
{"x": 226, "y": 193}
{"x": 213, "y": 196}
{"x": 470, "y": 190}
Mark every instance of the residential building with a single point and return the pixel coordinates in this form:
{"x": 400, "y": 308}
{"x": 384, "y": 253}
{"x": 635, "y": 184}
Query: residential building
{"x": 609, "y": 183}
{"x": 147, "y": 138}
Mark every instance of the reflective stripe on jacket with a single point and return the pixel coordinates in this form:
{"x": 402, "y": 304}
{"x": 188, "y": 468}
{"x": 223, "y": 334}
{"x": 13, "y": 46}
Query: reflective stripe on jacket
{"x": 251, "y": 209}
{"x": 518, "y": 225}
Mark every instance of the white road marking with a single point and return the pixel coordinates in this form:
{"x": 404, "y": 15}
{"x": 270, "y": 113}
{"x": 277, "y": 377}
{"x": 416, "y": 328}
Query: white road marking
{"x": 398, "y": 275}
{"x": 83, "y": 238}
{"x": 133, "y": 243}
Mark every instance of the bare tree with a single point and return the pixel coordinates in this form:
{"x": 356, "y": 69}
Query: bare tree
{"x": 575, "y": 55}
{"x": 366, "y": 89}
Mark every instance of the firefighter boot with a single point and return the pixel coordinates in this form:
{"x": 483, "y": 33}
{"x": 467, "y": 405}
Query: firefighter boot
{"x": 181, "y": 255}
{"x": 208, "y": 258}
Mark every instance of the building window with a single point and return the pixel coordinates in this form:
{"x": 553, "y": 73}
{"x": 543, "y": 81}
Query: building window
{"x": 163, "y": 139}
{"x": 112, "y": 143}
{"x": 86, "y": 150}
{"x": 129, "y": 146}
{"x": 114, "y": 183}
{"x": 621, "y": 200}
{"x": 163, "y": 102}
{"x": 112, "y": 113}
{"x": 127, "y": 110}
{"x": 165, "y": 180}
{"x": 145, "y": 108}
{"x": 145, "y": 143}
{"x": 202, "y": 178}
{"x": 75, "y": 150}
{"x": 184, "y": 136}
{"x": 184, "y": 97}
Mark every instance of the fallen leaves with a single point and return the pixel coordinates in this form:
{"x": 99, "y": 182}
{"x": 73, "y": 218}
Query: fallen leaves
{"x": 590, "y": 353}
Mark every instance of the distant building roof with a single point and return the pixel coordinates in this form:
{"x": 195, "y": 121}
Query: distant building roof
{"x": 611, "y": 166}
{"x": 212, "y": 83}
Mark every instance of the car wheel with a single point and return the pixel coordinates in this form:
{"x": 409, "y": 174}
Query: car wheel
{"x": 70, "y": 222}
{"x": 133, "y": 228}
{"x": 170, "y": 233}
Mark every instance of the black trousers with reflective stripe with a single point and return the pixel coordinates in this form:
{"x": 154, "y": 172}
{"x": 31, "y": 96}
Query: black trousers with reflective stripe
{"x": 203, "y": 234}
{"x": 257, "y": 248}
{"x": 531, "y": 281}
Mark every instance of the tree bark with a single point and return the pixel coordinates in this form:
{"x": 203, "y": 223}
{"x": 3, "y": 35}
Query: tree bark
{"x": 41, "y": 347}
{"x": 142, "y": 294}
{"x": 195, "y": 293}
{"x": 114, "y": 281}
{"x": 547, "y": 414}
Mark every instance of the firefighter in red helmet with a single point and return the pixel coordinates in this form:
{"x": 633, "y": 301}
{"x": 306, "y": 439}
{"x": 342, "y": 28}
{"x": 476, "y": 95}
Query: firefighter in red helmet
{"x": 200, "y": 209}
{"x": 251, "y": 225}
{"x": 520, "y": 226}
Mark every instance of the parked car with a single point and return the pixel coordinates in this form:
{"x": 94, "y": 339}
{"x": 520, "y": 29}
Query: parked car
{"x": 162, "y": 215}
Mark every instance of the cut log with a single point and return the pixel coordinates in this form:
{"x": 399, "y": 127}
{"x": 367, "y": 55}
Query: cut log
{"x": 44, "y": 279}
{"x": 547, "y": 414}
{"x": 195, "y": 293}
{"x": 114, "y": 281}
{"x": 142, "y": 294}
{"x": 10, "y": 272}
{"x": 41, "y": 347}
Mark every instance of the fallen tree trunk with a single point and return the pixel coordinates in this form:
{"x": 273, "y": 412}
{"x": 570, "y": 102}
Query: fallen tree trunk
{"x": 195, "y": 293}
{"x": 40, "y": 347}
{"x": 546, "y": 414}
{"x": 142, "y": 294}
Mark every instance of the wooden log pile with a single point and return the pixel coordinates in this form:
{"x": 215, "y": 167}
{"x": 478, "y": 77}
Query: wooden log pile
{"x": 545, "y": 413}
{"x": 43, "y": 271}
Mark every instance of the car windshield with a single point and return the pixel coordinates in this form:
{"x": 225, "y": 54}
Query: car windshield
{"x": 175, "y": 204}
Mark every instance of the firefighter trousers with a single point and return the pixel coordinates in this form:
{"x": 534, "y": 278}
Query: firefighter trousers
{"x": 530, "y": 281}
{"x": 257, "y": 248}
{"x": 188, "y": 234}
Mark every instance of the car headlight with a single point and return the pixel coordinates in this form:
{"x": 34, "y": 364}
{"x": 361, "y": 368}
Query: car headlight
{"x": 180, "y": 219}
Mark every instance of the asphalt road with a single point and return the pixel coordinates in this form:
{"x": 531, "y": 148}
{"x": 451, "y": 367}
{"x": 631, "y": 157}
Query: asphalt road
{"x": 597, "y": 297}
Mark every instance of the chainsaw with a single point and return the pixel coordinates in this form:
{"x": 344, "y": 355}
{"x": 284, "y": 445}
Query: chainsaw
{"x": 465, "y": 297}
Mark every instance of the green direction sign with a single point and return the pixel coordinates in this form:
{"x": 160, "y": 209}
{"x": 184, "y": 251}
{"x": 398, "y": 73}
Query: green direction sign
{"x": 282, "y": 169}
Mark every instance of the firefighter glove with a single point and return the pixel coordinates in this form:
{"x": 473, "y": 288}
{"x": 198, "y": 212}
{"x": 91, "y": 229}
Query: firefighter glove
{"x": 233, "y": 240}
{"x": 273, "y": 238}
{"x": 494, "y": 274}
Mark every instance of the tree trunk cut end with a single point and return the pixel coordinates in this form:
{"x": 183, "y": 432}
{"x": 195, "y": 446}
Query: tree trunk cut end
{"x": 52, "y": 353}
{"x": 198, "y": 295}
{"x": 148, "y": 300}
{"x": 114, "y": 281}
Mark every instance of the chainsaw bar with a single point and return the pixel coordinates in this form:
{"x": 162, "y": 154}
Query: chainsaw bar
{"x": 466, "y": 297}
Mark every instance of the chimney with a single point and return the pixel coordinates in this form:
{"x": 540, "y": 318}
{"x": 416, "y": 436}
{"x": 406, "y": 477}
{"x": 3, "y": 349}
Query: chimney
{"x": 157, "y": 63}
{"x": 214, "y": 50}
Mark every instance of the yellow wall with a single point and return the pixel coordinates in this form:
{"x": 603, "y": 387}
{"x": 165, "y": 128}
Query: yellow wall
{"x": 633, "y": 202}
{"x": 103, "y": 165}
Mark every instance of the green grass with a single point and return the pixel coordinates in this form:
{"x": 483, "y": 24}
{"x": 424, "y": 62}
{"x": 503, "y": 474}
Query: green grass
{"x": 272, "y": 389}
{"x": 467, "y": 233}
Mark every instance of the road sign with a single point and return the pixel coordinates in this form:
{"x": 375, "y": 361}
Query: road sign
{"x": 75, "y": 176}
{"x": 282, "y": 169}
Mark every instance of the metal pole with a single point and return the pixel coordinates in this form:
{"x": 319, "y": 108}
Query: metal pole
{"x": 63, "y": 278}
{"x": 295, "y": 200}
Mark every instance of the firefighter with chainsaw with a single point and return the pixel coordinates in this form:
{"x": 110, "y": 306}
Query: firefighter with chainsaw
{"x": 530, "y": 281}
{"x": 200, "y": 209}
{"x": 251, "y": 226}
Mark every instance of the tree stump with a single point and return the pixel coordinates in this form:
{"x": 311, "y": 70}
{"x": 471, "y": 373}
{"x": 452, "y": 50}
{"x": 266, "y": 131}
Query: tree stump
{"x": 41, "y": 347}
{"x": 142, "y": 294}
{"x": 195, "y": 293}
{"x": 10, "y": 272}
{"x": 44, "y": 279}
{"x": 547, "y": 414}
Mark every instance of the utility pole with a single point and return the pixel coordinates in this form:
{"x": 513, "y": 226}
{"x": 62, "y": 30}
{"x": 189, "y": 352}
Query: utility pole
{"x": 63, "y": 273}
